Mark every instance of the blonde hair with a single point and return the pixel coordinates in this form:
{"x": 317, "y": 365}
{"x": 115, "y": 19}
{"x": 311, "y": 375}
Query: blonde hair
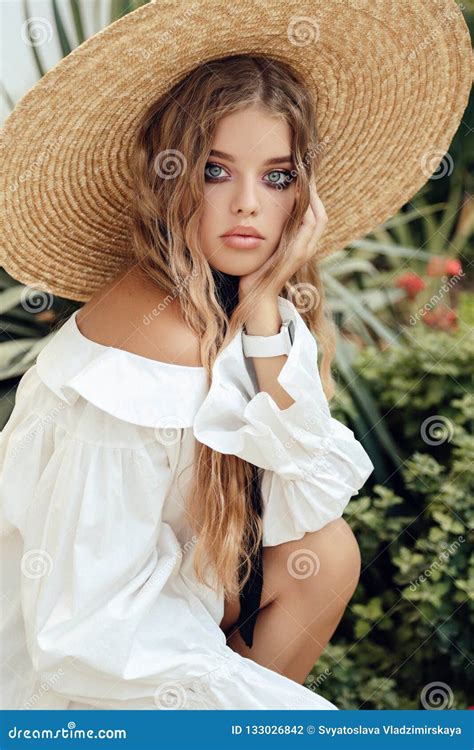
{"x": 165, "y": 240}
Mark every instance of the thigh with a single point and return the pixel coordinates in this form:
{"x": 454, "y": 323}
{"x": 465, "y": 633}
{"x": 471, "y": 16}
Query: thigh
{"x": 331, "y": 551}
{"x": 269, "y": 593}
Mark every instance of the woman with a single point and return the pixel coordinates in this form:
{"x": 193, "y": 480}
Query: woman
{"x": 97, "y": 611}
{"x": 183, "y": 458}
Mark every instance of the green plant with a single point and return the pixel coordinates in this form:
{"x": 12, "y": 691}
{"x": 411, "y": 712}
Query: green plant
{"x": 409, "y": 621}
{"x": 29, "y": 318}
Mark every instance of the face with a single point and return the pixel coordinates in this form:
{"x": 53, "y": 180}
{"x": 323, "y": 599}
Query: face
{"x": 250, "y": 156}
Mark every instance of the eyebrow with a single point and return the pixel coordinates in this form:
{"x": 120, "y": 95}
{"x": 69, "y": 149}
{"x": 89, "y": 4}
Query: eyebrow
{"x": 275, "y": 160}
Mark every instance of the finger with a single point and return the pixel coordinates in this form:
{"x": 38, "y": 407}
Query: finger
{"x": 313, "y": 208}
{"x": 309, "y": 218}
{"x": 314, "y": 222}
{"x": 314, "y": 199}
{"x": 317, "y": 205}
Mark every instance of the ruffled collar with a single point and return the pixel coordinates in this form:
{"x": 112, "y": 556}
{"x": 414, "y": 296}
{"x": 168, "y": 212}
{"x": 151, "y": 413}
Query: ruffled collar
{"x": 129, "y": 386}
{"x": 138, "y": 389}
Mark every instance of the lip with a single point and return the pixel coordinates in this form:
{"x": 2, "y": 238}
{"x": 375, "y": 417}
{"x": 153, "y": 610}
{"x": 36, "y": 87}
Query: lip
{"x": 243, "y": 231}
{"x": 241, "y": 242}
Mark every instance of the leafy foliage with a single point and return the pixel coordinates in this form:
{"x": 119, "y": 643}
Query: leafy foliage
{"x": 409, "y": 621}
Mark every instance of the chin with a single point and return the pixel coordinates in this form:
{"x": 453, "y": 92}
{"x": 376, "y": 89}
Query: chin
{"x": 237, "y": 267}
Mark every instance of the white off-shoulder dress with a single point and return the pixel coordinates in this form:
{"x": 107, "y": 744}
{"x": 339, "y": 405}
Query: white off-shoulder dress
{"x": 100, "y": 606}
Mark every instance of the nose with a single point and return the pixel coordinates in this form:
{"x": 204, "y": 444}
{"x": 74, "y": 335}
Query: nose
{"x": 245, "y": 199}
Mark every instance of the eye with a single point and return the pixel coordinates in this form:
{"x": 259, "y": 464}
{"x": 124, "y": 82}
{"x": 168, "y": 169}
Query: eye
{"x": 213, "y": 168}
{"x": 281, "y": 184}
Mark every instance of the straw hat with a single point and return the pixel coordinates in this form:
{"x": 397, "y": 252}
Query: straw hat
{"x": 391, "y": 79}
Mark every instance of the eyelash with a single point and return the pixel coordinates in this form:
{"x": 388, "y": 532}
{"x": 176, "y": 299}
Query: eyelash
{"x": 275, "y": 186}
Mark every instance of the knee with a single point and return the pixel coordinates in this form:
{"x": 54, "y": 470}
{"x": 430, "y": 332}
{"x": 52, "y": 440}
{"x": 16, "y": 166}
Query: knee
{"x": 340, "y": 556}
{"x": 335, "y": 552}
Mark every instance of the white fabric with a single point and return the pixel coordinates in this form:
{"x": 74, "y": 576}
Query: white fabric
{"x": 100, "y": 604}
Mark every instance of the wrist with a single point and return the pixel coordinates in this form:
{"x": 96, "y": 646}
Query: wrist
{"x": 265, "y": 319}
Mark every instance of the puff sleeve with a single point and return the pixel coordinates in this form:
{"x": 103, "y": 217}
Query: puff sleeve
{"x": 312, "y": 463}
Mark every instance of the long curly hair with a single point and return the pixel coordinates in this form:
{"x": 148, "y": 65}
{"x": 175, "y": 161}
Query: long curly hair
{"x": 165, "y": 219}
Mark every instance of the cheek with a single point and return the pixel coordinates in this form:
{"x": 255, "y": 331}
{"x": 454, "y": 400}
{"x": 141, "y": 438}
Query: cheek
{"x": 284, "y": 204}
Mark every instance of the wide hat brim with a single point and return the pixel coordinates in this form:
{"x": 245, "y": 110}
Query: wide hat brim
{"x": 391, "y": 79}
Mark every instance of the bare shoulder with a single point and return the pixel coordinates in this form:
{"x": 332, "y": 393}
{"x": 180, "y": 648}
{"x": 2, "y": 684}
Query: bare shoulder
{"x": 132, "y": 313}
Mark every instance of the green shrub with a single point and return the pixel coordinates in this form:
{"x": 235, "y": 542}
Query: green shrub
{"x": 409, "y": 621}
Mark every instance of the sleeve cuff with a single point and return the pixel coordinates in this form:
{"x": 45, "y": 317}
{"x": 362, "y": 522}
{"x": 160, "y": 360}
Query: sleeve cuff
{"x": 236, "y": 419}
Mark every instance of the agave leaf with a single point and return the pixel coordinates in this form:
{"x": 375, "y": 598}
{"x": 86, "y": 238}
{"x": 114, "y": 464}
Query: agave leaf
{"x": 357, "y": 326}
{"x": 119, "y": 8}
{"x": 34, "y": 48}
{"x": 367, "y": 408}
{"x": 382, "y": 236}
{"x": 64, "y": 42}
{"x": 402, "y": 233}
{"x": 394, "y": 250}
{"x": 357, "y": 307}
{"x": 379, "y": 298}
{"x": 18, "y": 355}
{"x": 5, "y": 279}
{"x": 350, "y": 265}
{"x": 11, "y": 297}
{"x": 335, "y": 304}
{"x": 454, "y": 210}
{"x": 334, "y": 259}
{"x": 430, "y": 228}
{"x": 96, "y": 15}
{"x": 78, "y": 22}
{"x": 453, "y": 205}
{"x": 18, "y": 329}
{"x": 7, "y": 402}
{"x": 8, "y": 99}
{"x": 405, "y": 217}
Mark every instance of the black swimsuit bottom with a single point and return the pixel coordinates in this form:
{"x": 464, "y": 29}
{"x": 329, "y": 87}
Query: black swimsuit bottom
{"x": 250, "y": 596}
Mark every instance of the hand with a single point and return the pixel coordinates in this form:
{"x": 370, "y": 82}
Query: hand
{"x": 299, "y": 252}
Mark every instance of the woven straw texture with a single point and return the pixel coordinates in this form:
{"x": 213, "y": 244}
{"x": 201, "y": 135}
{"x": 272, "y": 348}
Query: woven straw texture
{"x": 391, "y": 79}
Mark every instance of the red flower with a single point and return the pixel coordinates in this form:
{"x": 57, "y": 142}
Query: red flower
{"x": 453, "y": 267}
{"x": 439, "y": 266}
{"x": 411, "y": 282}
{"x": 441, "y": 317}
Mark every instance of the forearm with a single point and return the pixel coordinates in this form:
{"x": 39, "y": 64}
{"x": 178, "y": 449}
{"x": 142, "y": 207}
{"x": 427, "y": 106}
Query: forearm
{"x": 266, "y": 321}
